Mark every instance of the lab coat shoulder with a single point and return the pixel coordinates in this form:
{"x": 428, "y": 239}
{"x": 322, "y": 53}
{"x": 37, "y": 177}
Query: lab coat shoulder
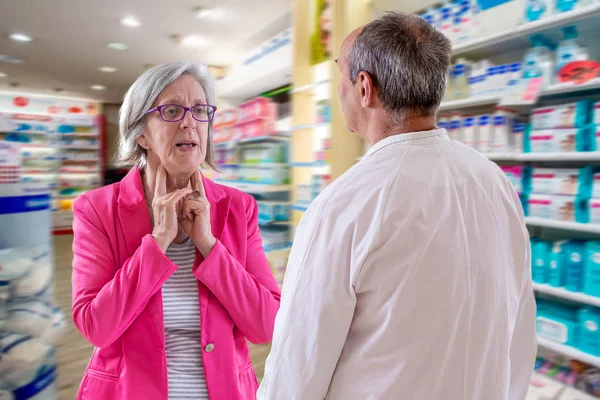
{"x": 341, "y": 226}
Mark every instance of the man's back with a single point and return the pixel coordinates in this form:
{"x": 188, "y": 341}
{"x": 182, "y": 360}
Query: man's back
{"x": 439, "y": 293}
{"x": 435, "y": 262}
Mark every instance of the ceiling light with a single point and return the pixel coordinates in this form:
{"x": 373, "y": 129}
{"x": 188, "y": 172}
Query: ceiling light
{"x": 117, "y": 46}
{"x": 107, "y": 69}
{"x": 98, "y": 87}
{"x": 130, "y": 22}
{"x": 10, "y": 59}
{"x": 3, "y": 75}
{"x": 19, "y": 37}
{"x": 190, "y": 40}
{"x": 203, "y": 12}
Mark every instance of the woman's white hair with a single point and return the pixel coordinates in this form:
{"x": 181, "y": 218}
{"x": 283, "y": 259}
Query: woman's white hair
{"x": 141, "y": 97}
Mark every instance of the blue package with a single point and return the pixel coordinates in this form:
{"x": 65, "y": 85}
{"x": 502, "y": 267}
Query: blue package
{"x": 558, "y": 322}
{"x": 591, "y": 276}
{"x": 540, "y": 258}
{"x": 574, "y": 264}
{"x": 557, "y": 271}
{"x": 589, "y": 332}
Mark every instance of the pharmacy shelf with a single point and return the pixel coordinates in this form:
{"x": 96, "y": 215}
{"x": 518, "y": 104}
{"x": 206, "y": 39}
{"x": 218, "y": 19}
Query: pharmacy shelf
{"x": 254, "y": 187}
{"x": 471, "y": 102}
{"x": 517, "y": 38}
{"x": 313, "y": 164}
{"x": 279, "y": 136}
{"x": 308, "y": 87}
{"x": 567, "y": 295}
{"x": 299, "y": 207}
{"x": 260, "y": 164}
{"x": 551, "y": 90}
{"x": 583, "y": 156}
{"x": 279, "y": 250}
{"x": 310, "y": 126}
{"x": 568, "y": 351}
{"x": 563, "y": 225}
{"x": 75, "y": 147}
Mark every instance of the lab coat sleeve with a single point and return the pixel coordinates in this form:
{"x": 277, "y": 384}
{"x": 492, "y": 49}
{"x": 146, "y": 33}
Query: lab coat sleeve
{"x": 251, "y": 295}
{"x": 316, "y": 311}
{"x": 523, "y": 346}
{"x": 107, "y": 298}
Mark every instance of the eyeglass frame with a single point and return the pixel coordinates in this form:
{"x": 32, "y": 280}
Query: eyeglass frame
{"x": 185, "y": 110}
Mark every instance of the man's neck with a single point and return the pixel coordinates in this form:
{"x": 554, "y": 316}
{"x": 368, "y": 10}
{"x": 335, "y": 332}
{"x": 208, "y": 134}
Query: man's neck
{"x": 379, "y": 130}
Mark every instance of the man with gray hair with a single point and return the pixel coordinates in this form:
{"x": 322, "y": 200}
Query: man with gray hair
{"x": 410, "y": 276}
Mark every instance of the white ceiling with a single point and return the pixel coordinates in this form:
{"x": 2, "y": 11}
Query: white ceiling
{"x": 69, "y": 38}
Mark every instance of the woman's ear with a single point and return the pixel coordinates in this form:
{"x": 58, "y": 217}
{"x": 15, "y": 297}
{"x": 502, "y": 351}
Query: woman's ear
{"x": 142, "y": 141}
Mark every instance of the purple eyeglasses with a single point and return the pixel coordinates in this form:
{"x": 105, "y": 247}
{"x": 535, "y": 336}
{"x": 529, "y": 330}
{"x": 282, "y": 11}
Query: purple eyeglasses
{"x": 175, "y": 112}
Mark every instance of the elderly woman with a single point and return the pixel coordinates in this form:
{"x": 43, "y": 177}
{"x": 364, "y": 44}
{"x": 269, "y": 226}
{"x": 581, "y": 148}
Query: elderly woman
{"x": 170, "y": 279}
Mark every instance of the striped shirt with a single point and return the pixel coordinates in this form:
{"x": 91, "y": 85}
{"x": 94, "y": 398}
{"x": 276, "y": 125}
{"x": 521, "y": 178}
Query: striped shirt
{"x": 182, "y": 326}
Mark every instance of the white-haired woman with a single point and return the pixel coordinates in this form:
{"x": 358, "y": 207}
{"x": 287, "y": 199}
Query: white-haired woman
{"x": 170, "y": 279}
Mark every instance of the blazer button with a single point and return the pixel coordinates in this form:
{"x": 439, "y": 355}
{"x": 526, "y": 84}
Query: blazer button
{"x": 209, "y": 347}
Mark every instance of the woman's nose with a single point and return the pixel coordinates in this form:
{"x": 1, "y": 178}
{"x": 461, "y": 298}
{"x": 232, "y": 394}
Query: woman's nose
{"x": 188, "y": 122}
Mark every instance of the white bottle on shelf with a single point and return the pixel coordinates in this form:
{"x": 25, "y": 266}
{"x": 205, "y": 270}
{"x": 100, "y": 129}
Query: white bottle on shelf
{"x": 462, "y": 72}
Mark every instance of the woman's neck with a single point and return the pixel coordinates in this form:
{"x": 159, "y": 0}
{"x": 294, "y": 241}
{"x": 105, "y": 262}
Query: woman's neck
{"x": 174, "y": 182}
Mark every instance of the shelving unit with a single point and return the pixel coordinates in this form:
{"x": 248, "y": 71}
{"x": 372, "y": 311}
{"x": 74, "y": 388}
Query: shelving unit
{"x": 55, "y": 153}
{"x": 568, "y": 351}
{"x": 562, "y": 293}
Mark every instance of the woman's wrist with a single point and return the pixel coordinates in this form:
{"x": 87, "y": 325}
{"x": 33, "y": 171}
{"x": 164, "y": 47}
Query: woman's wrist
{"x": 162, "y": 241}
{"x": 205, "y": 246}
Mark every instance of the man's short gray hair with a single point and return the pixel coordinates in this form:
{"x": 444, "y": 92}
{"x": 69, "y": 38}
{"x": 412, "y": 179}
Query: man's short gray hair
{"x": 141, "y": 97}
{"x": 408, "y": 60}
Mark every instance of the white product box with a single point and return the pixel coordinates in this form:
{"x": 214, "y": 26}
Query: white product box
{"x": 553, "y": 140}
{"x": 500, "y": 140}
{"x": 555, "y": 181}
{"x": 594, "y": 208}
{"x": 596, "y": 114}
{"x": 561, "y": 208}
{"x": 542, "y": 388}
{"x": 559, "y": 116}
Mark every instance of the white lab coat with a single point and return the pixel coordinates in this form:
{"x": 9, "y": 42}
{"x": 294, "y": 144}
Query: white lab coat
{"x": 409, "y": 278}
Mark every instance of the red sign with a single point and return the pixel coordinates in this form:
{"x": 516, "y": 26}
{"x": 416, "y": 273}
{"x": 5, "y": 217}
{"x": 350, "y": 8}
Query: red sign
{"x": 579, "y": 72}
{"x": 21, "y": 101}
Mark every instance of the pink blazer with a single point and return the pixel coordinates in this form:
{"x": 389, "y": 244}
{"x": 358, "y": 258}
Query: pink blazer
{"x": 118, "y": 272}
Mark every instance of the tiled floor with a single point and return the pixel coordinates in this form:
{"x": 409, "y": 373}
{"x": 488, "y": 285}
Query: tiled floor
{"x": 73, "y": 351}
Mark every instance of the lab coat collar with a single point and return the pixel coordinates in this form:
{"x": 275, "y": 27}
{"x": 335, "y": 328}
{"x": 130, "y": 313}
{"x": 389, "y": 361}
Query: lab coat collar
{"x": 408, "y": 138}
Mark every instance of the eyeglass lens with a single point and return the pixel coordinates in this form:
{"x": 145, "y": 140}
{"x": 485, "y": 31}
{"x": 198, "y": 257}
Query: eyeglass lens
{"x": 175, "y": 113}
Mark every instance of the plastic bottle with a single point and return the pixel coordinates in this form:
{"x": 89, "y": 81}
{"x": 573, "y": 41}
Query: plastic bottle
{"x": 466, "y": 21}
{"x": 536, "y": 9}
{"x": 538, "y": 62}
{"x": 461, "y": 72}
{"x": 562, "y": 6}
{"x": 445, "y": 20}
{"x": 570, "y": 49}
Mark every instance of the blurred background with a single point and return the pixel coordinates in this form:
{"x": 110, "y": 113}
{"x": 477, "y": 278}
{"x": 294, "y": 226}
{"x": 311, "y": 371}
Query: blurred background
{"x": 523, "y": 90}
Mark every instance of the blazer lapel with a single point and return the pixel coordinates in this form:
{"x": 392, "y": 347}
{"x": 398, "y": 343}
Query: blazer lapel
{"x": 133, "y": 213}
{"x": 219, "y": 210}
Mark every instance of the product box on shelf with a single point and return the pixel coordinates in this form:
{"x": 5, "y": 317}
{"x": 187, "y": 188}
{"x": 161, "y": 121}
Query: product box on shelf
{"x": 225, "y": 118}
{"x": 10, "y": 162}
{"x": 540, "y": 250}
{"x": 564, "y": 181}
{"x": 273, "y": 211}
{"x": 574, "y": 263}
{"x": 468, "y": 131}
{"x": 591, "y": 277}
{"x": 268, "y": 152}
{"x": 556, "y": 207}
{"x": 515, "y": 174}
{"x": 555, "y": 140}
{"x": 557, "y": 268}
{"x": 258, "y": 126}
{"x": 557, "y": 322}
{"x": 589, "y": 330}
{"x": 259, "y": 107}
{"x": 596, "y": 113}
{"x": 564, "y": 116}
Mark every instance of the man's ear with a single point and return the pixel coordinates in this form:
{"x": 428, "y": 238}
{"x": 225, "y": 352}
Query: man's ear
{"x": 367, "y": 90}
{"x": 143, "y": 142}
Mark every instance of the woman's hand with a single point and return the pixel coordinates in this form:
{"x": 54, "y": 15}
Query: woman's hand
{"x": 165, "y": 210}
{"x": 195, "y": 219}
